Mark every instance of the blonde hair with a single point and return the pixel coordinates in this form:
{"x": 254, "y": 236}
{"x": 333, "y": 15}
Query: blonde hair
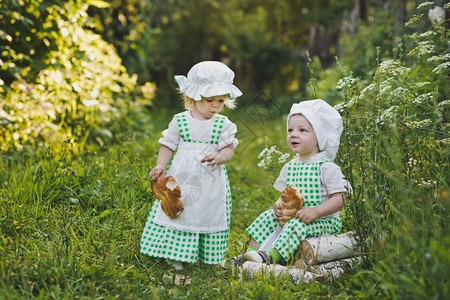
{"x": 189, "y": 102}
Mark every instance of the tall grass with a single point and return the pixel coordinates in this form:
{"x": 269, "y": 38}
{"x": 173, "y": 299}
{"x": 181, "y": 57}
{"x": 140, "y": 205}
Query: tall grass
{"x": 69, "y": 222}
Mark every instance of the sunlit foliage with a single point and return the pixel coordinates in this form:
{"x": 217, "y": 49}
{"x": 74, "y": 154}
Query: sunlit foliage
{"x": 77, "y": 89}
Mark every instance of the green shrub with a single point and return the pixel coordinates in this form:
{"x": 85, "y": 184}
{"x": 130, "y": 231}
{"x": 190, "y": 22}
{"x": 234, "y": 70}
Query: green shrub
{"x": 83, "y": 91}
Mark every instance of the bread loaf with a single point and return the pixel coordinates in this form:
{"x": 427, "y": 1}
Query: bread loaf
{"x": 168, "y": 191}
{"x": 291, "y": 202}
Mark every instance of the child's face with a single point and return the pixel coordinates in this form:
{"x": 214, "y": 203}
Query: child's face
{"x": 208, "y": 107}
{"x": 301, "y": 137}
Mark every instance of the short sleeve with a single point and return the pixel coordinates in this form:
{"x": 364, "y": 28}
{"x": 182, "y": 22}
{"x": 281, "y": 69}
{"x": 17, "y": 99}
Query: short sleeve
{"x": 333, "y": 180}
{"x": 281, "y": 182}
{"x": 228, "y": 135}
{"x": 171, "y": 136}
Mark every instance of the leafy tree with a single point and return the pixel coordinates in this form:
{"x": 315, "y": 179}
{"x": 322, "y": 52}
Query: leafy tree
{"x": 129, "y": 26}
{"x": 263, "y": 41}
{"x": 78, "y": 89}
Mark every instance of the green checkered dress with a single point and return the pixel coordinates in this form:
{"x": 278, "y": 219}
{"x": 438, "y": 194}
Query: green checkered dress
{"x": 164, "y": 242}
{"x": 306, "y": 176}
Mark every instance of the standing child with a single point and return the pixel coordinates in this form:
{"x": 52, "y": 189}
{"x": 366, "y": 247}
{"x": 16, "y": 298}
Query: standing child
{"x": 313, "y": 132}
{"x": 204, "y": 141}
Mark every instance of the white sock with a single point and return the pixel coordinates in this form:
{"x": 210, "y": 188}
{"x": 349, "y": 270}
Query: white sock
{"x": 177, "y": 265}
{"x": 253, "y": 256}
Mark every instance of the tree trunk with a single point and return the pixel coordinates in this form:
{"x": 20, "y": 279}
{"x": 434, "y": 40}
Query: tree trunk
{"x": 327, "y": 248}
{"x": 362, "y": 10}
{"x": 400, "y": 19}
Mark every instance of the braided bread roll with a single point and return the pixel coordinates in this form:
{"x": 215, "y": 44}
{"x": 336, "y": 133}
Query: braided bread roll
{"x": 291, "y": 201}
{"x": 168, "y": 191}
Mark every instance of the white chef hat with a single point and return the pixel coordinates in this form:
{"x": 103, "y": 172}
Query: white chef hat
{"x": 208, "y": 79}
{"x": 326, "y": 122}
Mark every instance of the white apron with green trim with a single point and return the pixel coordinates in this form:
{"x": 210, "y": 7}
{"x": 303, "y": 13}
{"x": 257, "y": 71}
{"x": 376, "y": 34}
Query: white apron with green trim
{"x": 203, "y": 191}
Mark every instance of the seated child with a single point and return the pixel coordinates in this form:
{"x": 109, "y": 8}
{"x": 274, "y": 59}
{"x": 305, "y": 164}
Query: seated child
{"x": 313, "y": 132}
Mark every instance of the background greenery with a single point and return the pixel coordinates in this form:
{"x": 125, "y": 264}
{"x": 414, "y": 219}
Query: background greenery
{"x": 85, "y": 90}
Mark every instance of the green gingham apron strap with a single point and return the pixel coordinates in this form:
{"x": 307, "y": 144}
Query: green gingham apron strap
{"x": 306, "y": 176}
{"x": 217, "y": 128}
{"x": 183, "y": 127}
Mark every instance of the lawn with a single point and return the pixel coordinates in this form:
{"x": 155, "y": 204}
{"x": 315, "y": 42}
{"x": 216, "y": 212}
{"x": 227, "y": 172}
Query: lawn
{"x": 71, "y": 225}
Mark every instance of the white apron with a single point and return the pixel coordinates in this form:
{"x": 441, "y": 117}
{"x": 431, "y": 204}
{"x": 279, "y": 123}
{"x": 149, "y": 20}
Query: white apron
{"x": 203, "y": 192}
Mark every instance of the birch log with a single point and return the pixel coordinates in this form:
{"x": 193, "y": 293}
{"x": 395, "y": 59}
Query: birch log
{"x": 252, "y": 268}
{"x": 319, "y": 272}
{"x": 326, "y": 248}
{"x": 334, "y": 268}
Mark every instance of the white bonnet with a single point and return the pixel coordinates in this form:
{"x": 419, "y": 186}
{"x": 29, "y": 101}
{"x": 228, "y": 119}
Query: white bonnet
{"x": 326, "y": 122}
{"x": 208, "y": 79}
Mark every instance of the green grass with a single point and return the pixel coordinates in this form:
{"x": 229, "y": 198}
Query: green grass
{"x": 71, "y": 227}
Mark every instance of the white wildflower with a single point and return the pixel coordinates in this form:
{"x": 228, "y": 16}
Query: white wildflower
{"x": 392, "y": 67}
{"x": 423, "y": 84}
{"x": 271, "y": 156}
{"x": 347, "y": 82}
{"x": 283, "y": 158}
{"x": 427, "y": 183}
{"x": 445, "y": 141}
{"x": 401, "y": 92}
{"x": 427, "y": 35}
{"x": 425, "y": 5}
{"x": 425, "y": 48}
{"x": 445, "y": 103}
{"x": 415, "y": 19}
{"x": 387, "y": 115}
{"x": 385, "y": 87}
{"x": 341, "y": 107}
{"x": 441, "y": 68}
{"x": 262, "y": 152}
{"x": 367, "y": 89}
{"x": 418, "y": 124}
{"x": 439, "y": 58}
{"x": 355, "y": 100}
{"x": 423, "y": 98}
